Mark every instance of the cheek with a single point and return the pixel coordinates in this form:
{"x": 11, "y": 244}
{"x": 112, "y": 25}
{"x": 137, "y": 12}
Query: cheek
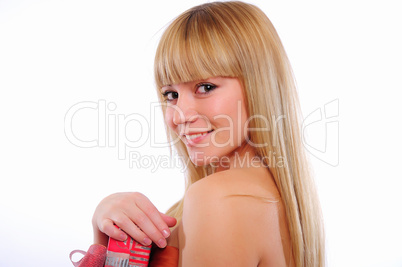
{"x": 233, "y": 123}
{"x": 169, "y": 118}
{"x": 244, "y": 119}
{"x": 239, "y": 116}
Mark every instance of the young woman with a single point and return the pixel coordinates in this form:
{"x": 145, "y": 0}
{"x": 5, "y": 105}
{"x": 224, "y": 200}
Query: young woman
{"x": 232, "y": 109}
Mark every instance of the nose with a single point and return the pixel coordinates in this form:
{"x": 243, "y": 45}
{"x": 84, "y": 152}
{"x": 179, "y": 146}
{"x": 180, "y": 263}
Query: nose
{"x": 184, "y": 111}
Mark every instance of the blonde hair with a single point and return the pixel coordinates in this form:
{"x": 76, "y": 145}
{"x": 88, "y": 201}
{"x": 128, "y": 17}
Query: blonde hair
{"x": 235, "y": 39}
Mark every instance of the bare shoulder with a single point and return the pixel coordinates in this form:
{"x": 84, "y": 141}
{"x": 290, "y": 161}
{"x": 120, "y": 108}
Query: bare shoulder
{"x": 256, "y": 182}
{"x": 232, "y": 215}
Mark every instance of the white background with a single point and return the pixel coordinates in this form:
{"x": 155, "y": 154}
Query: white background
{"x": 55, "y": 54}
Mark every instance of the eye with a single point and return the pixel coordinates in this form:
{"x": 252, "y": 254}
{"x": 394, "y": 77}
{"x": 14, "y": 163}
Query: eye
{"x": 170, "y": 95}
{"x": 205, "y": 88}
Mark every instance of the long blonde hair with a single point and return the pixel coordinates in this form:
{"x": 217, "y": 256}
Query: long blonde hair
{"x": 235, "y": 39}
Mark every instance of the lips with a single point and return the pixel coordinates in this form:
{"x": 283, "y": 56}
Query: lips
{"x": 196, "y": 137}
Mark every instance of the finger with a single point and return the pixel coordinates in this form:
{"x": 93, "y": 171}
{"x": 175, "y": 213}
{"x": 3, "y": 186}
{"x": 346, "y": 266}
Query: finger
{"x": 169, "y": 220}
{"x": 148, "y": 228}
{"x": 100, "y": 237}
{"x": 146, "y": 206}
{"x": 130, "y": 228}
{"x": 112, "y": 231}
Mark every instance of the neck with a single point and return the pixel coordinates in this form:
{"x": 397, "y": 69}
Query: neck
{"x": 242, "y": 157}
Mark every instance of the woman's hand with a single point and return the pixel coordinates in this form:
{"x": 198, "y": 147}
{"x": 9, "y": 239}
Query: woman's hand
{"x": 135, "y": 215}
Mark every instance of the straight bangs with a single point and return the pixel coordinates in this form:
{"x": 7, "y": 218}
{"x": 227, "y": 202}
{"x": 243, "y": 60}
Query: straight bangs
{"x": 196, "y": 46}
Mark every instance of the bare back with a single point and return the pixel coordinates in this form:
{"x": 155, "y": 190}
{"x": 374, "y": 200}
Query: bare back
{"x": 233, "y": 218}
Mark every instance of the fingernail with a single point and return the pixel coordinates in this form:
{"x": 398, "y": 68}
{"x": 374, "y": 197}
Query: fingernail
{"x": 166, "y": 233}
{"x": 123, "y": 237}
{"x": 146, "y": 241}
{"x": 162, "y": 243}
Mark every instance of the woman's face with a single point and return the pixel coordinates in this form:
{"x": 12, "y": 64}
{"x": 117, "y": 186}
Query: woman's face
{"x": 209, "y": 116}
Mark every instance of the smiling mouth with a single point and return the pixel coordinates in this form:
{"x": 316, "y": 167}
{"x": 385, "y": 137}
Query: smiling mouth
{"x": 196, "y": 135}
